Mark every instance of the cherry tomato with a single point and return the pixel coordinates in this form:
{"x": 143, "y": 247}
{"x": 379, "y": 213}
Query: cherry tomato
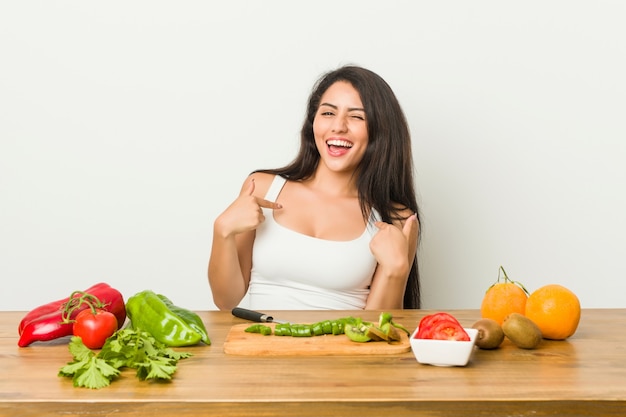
{"x": 94, "y": 329}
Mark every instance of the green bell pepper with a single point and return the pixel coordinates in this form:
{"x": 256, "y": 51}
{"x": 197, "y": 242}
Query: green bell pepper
{"x": 171, "y": 325}
{"x": 189, "y": 316}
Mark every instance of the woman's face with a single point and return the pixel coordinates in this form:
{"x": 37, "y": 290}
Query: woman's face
{"x": 340, "y": 128}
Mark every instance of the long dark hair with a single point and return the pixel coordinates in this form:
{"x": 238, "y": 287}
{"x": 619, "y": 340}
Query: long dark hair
{"x": 384, "y": 177}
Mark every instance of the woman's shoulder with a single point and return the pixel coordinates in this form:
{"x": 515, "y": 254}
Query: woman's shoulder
{"x": 262, "y": 183}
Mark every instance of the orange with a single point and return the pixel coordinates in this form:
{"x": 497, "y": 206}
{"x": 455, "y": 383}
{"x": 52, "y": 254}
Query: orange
{"x": 555, "y": 310}
{"x": 502, "y": 299}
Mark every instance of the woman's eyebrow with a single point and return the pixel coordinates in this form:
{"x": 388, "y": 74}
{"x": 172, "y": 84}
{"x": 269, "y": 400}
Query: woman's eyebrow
{"x": 349, "y": 109}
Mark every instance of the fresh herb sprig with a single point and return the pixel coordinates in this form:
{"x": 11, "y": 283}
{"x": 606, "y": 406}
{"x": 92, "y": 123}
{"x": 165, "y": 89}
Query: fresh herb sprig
{"x": 126, "y": 348}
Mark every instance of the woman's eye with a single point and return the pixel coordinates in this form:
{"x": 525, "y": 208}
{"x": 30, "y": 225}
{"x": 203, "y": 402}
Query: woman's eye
{"x": 327, "y": 113}
{"x": 358, "y": 116}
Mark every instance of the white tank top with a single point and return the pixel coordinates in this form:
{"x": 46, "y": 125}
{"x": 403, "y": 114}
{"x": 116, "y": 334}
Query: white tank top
{"x": 293, "y": 271}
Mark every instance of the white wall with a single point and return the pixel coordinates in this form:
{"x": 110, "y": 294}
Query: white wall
{"x": 126, "y": 127}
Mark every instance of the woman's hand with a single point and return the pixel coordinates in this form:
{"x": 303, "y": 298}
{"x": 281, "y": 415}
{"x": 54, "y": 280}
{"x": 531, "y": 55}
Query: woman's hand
{"x": 394, "y": 247}
{"x": 244, "y": 214}
{"x": 231, "y": 253}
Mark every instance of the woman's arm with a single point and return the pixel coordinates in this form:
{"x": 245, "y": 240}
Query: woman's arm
{"x": 394, "y": 247}
{"x": 230, "y": 256}
{"x": 230, "y": 263}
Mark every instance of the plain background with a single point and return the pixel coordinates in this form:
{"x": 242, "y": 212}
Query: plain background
{"x": 127, "y": 127}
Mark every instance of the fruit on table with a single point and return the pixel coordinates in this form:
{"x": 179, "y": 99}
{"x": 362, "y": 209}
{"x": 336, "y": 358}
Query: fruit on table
{"x": 556, "y": 311}
{"x": 94, "y": 326}
{"x": 503, "y": 298}
{"x": 522, "y": 331}
{"x": 441, "y": 326}
{"x": 490, "y": 334}
{"x": 357, "y": 332}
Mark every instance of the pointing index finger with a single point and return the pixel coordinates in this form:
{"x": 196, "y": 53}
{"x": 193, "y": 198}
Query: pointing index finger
{"x": 268, "y": 204}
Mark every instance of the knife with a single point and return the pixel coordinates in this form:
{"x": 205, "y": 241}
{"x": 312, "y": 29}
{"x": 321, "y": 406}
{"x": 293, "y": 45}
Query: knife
{"x": 244, "y": 313}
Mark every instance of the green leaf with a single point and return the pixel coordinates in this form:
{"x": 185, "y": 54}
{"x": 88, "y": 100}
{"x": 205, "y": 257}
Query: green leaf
{"x": 156, "y": 368}
{"x": 126, "y": 348}
{"x": 97, "y": 374}
{"x": 106, "y": 369}
{"x": 78, "y": 349}
{"x": 73, "y": 367}
{"x": 171, "y": 353}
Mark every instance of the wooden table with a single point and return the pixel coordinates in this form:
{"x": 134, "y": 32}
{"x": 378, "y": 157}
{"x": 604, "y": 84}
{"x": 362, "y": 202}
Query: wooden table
{"x": 585, "y": 375}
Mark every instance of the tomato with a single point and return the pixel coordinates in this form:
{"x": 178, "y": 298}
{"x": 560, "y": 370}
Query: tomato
{"x": 427, "y": 323}
{"x": 94, "y": 329}
{"x": 441, "y": 326}
{"x": 449, "y": 330}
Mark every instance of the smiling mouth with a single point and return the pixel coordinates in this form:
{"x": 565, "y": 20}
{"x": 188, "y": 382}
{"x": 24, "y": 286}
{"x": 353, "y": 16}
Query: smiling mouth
{"x": 338, "y": 143}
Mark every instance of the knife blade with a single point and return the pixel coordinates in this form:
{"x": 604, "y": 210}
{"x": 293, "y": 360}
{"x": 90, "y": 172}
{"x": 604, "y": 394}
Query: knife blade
{"x": 244, "y": 313}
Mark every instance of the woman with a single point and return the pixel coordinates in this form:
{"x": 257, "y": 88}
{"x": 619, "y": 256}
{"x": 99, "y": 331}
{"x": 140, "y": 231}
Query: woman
{"x": 338, "y": 227}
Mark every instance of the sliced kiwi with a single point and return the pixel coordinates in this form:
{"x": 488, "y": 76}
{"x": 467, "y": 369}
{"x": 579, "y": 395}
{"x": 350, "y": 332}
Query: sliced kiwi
{"x": 387, "y": 333}
{"x": 392, "y": 332}
{"x": 357, "y": 332}
{"x": 376, "y": 334}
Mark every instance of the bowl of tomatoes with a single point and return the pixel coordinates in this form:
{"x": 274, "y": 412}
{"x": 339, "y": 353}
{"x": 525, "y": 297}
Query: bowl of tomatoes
{"x": 440, "y": 340}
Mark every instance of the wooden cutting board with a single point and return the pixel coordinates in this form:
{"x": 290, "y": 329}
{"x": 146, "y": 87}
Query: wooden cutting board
{"x": 238, "y": 342}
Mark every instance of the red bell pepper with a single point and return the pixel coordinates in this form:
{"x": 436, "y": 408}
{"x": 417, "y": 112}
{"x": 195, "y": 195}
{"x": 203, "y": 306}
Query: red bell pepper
{"x": 50, "y": 321}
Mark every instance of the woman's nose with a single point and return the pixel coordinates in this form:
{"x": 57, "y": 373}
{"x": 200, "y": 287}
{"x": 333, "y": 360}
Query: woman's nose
{"x": 339, "y": 124}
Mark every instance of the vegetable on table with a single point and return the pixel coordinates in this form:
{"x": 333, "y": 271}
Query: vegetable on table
{"x": 94, "y": 326}
{"x": 330, "y": 327}
{"x": 387, "y": 329}
{"x": 441, "y": 326}
{"x": 126, "y": 348}
{"x": 193, "y": 319}
{"x": 169, "y": 324}
{"x": 260, "y": 328}
{"x": 56, "y": 319}
{"x": 354, "y": 328}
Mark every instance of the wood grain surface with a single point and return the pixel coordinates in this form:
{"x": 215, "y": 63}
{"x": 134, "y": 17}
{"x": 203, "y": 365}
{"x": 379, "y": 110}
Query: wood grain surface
{"x": 239, "y": 342}
{"x": 582, "y": 376}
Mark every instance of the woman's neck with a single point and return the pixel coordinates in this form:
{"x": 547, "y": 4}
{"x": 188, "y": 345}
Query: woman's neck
{"x": 339, "y": 184}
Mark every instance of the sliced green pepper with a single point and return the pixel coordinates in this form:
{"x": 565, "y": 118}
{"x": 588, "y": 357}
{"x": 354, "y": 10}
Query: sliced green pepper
{"x": 150, "y": 313}
{"x": 384, "y": 318}
{"x": 337, "y": 328}
{"x": 259, "y": 328}
{"x": 317, "y": 329}
{"x": 301, "y": 330}
{"x": 282, "y": 329}
{"x": 355, "y": 328}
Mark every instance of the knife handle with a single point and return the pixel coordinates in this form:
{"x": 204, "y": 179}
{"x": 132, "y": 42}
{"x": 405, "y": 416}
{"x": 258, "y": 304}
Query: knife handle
{"x": 244, "y": 313}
